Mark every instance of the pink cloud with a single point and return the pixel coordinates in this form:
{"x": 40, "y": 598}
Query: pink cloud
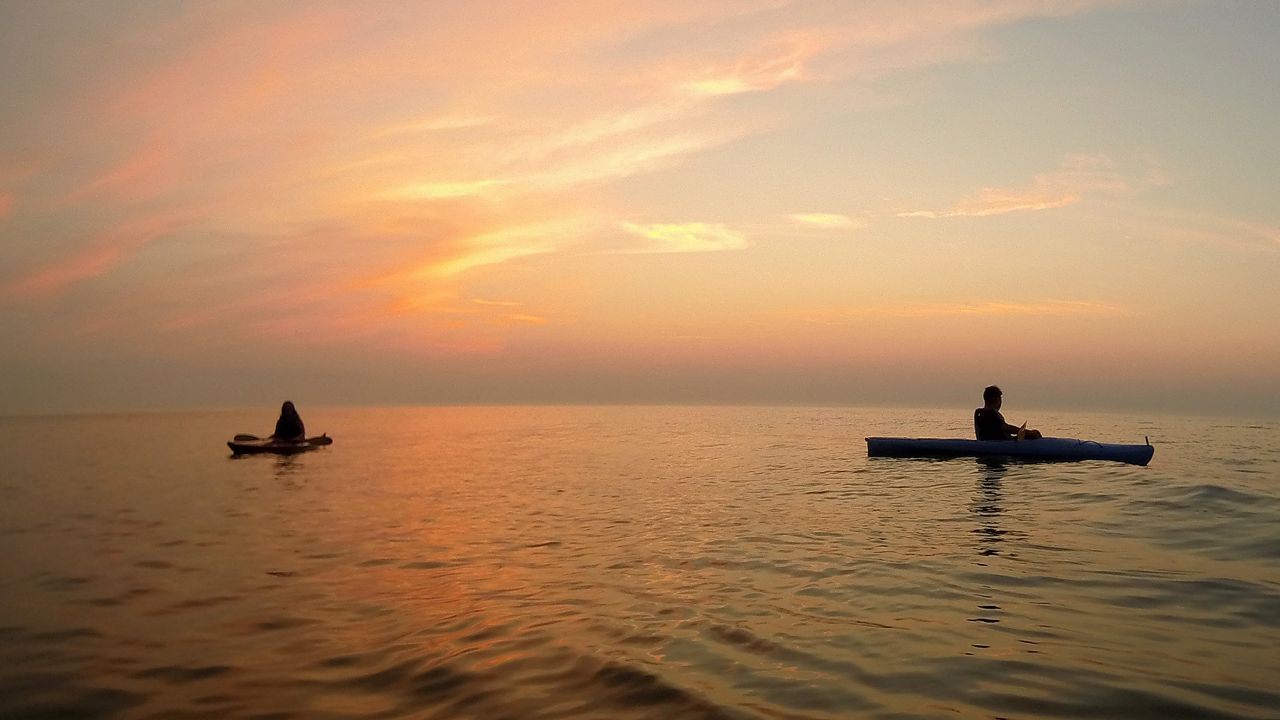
{"x": 99, "y": 256}
{"x": 143, "y": 176}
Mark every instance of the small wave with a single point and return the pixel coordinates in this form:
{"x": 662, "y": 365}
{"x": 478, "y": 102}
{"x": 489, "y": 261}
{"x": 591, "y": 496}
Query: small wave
{"x": 181, "y": 674}
{"x": 1209, "y": 493}
{"x": 424, "y": 565}
{"x": 624, "y": 685}
{"x": 32, "y": 696}
{"x": 742, "y": 638}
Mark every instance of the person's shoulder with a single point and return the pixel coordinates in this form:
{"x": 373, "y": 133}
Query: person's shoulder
{"x": 987, "y": 415}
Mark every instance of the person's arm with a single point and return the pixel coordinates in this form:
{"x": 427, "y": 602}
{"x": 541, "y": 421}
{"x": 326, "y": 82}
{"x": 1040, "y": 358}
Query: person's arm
{"x": 1027, "y": 433}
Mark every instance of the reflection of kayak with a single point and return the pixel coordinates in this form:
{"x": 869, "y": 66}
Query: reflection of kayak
{"x": 249, "y": 445}
{"x": 1042, "y": 449}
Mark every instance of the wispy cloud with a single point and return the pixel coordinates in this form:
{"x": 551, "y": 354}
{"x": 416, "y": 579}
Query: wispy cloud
{"x": 994, "y": 201}
{"x": 526, "y": 163}
{"x": 101, "y": 254}
{"x": 484, "y": 312}
{"x": 782, "y": 63}
{"x": 141, "y": 176}
{"x": 502, "y": 245}
{"x": 686, "y": 237}
{"x": 438, "y": 123}
{"x": 445, "y": 190}
{"x": 496, "y": 303}
{"x": 827, "y": 221}
{"x": 1048, "y": 308}
{"x": 1167, "y": 225}
{"x": 1077, "y": 176}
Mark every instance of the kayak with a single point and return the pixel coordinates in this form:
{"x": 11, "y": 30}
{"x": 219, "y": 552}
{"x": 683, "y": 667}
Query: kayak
{"x": 1050, "y": 449}
{"x": 245, "y": 445}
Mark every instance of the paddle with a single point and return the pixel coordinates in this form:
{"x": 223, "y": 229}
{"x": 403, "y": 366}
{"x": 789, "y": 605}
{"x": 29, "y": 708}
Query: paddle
{"x": 1022, "y": 431}
{"x": 322, "y": 440}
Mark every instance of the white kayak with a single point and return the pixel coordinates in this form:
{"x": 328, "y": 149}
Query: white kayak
{"x": 1059, "y": 449}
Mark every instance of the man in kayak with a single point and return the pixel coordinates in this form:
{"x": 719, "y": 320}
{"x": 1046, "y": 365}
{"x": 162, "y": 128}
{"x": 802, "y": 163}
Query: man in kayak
{"x": 989, "y": 424}
{"x": 289, "y": 427}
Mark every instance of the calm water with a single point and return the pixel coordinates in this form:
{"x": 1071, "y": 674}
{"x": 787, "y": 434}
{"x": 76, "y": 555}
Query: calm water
{"x": 632, "y": 563}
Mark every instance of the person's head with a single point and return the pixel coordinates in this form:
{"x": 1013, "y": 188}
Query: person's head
{"x": 992, "y": 396}
{"x": 287, "y": 408}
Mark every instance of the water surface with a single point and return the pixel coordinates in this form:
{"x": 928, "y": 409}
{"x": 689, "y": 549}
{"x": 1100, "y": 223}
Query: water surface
{"x": 633, "y": 562}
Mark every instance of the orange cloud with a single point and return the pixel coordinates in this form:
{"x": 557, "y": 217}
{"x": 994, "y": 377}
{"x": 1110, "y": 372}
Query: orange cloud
{"x": 505, "y": 244}
{"x": 427, "y": 149}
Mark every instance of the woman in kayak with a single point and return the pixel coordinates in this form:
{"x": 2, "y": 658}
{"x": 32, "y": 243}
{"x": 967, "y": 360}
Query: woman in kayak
{"x": 289, "y": 427}
{"x": 989, "y": 424}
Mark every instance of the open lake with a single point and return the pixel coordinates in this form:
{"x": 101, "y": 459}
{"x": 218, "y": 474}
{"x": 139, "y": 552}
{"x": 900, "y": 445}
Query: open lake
{"x": 633, "y": 562}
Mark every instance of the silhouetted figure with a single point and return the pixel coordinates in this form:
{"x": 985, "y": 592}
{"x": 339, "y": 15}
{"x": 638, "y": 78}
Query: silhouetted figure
{"x": 989, "y": 424}
{"x": 289, "y": 427}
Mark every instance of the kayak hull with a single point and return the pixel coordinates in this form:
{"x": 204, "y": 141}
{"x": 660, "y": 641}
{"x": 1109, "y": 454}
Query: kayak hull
{"x": 275, "y": 447}
{"x": 1043, "y": 449}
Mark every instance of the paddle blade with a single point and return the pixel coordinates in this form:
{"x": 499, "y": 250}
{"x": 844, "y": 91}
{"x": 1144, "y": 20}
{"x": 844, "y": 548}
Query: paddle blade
{"x": 246, "y": 438}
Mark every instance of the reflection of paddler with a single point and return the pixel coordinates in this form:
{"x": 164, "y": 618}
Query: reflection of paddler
{"x": 289, "y": 427}
{"x": 987, "y": 507}
{"x": 989, "y": 424}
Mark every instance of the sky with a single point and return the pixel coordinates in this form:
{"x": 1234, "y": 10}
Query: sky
{"x": 691, "y": 201}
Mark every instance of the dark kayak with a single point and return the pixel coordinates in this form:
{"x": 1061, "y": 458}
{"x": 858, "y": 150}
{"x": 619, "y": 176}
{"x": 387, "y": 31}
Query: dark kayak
{"x": 245, "y": 445}
{"x": 1050, "y": 449}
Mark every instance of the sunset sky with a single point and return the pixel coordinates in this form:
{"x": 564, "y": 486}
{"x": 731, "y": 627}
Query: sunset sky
{"x": 741, "y": 201}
